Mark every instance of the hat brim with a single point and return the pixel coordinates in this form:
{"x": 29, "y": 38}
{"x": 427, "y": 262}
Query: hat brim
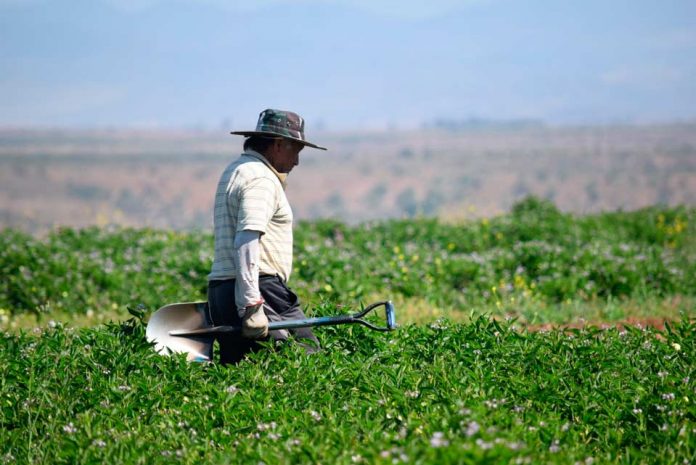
{"x": 274, "y": 134}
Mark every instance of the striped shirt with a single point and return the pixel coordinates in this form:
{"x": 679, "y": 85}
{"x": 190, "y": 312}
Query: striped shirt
{"x": 250, "y": 196}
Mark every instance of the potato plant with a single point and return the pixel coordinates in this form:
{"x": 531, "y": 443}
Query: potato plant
{"x": 534, "y": 254}
{"x": 483, "y": 392}
{"x": 491, "y": 390}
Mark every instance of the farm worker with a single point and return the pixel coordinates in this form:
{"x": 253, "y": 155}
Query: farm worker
{"x": 247, "y": 286}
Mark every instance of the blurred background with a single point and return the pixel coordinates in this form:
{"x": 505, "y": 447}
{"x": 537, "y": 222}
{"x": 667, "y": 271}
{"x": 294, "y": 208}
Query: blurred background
{"x": 119, "y": 111}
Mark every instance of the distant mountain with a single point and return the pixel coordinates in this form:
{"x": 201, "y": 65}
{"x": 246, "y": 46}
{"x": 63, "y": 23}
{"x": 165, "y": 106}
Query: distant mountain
{"x": 479, "y": 123}
{"x": 343, "y": 63}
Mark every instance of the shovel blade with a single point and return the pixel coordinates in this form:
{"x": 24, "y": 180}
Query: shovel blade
{"x": 190, "y": 315}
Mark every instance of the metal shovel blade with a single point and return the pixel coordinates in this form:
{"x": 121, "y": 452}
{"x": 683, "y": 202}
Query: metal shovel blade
{"x": 181, "y": 315}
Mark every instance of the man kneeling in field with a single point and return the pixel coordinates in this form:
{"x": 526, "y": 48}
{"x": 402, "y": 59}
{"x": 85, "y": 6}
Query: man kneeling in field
{"x": 253, "y": 238}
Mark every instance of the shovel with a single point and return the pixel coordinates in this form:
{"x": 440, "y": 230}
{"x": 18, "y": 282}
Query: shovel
{"x": 184, "y": 327}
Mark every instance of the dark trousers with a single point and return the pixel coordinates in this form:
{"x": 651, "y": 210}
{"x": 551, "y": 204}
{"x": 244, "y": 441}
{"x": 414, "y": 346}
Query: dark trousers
{"x": 280, "y": 304}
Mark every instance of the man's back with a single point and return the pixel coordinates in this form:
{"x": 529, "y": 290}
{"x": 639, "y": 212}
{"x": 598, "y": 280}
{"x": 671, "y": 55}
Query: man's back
{"x": 250, "y": 196}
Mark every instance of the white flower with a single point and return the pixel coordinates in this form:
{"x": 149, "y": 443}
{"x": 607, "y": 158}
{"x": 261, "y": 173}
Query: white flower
{"x": 483, "y": 444}
{"x": 676, "y": 346}
{"x": 438, "y": 440}
{"x": 69, "y": 428}
{"x": 515, "y": 445}
{"x": 266, "y": 426}
{"x": 472, "y": 428}
{"x": 494, "y": 403}
{"x": 232, "y": 389}
{"x": 315, "y": 415}
{"x": 554, "y": 447}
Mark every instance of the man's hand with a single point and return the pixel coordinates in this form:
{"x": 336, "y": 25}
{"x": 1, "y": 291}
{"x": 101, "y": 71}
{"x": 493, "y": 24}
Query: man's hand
{"x": 254, "y": 321}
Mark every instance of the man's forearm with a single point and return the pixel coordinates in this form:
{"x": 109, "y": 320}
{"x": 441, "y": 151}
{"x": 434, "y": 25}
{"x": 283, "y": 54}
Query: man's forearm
{"x": 246, "y": 254}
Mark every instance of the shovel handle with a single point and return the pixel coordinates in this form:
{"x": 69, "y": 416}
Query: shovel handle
{"x": 303, "y": 323}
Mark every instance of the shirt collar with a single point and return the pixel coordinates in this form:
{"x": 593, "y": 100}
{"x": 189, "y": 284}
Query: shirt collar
{"x": 281, "y": 176}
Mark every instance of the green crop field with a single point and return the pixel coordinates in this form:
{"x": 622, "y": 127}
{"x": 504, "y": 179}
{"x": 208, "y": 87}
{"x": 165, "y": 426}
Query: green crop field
{"x": 502, "y": 356}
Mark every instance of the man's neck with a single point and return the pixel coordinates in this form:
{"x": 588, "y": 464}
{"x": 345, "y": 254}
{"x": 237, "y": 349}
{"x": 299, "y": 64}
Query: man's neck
{"x": 281, "y": 176}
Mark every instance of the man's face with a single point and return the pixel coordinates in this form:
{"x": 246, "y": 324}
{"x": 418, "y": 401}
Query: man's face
{"x": 287, "y": 155}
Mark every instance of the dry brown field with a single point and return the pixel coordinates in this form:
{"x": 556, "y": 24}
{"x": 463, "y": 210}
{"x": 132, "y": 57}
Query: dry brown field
{"x": 166, "y": 179}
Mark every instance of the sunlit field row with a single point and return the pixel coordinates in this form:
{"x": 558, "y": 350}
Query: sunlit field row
{"x": 535, "y": 264}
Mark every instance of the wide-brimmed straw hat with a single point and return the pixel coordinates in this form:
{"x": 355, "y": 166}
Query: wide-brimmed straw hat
{"x": 280, "y": 123}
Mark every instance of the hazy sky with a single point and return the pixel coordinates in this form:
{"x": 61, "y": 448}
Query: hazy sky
{"x": 345, "y": 63}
